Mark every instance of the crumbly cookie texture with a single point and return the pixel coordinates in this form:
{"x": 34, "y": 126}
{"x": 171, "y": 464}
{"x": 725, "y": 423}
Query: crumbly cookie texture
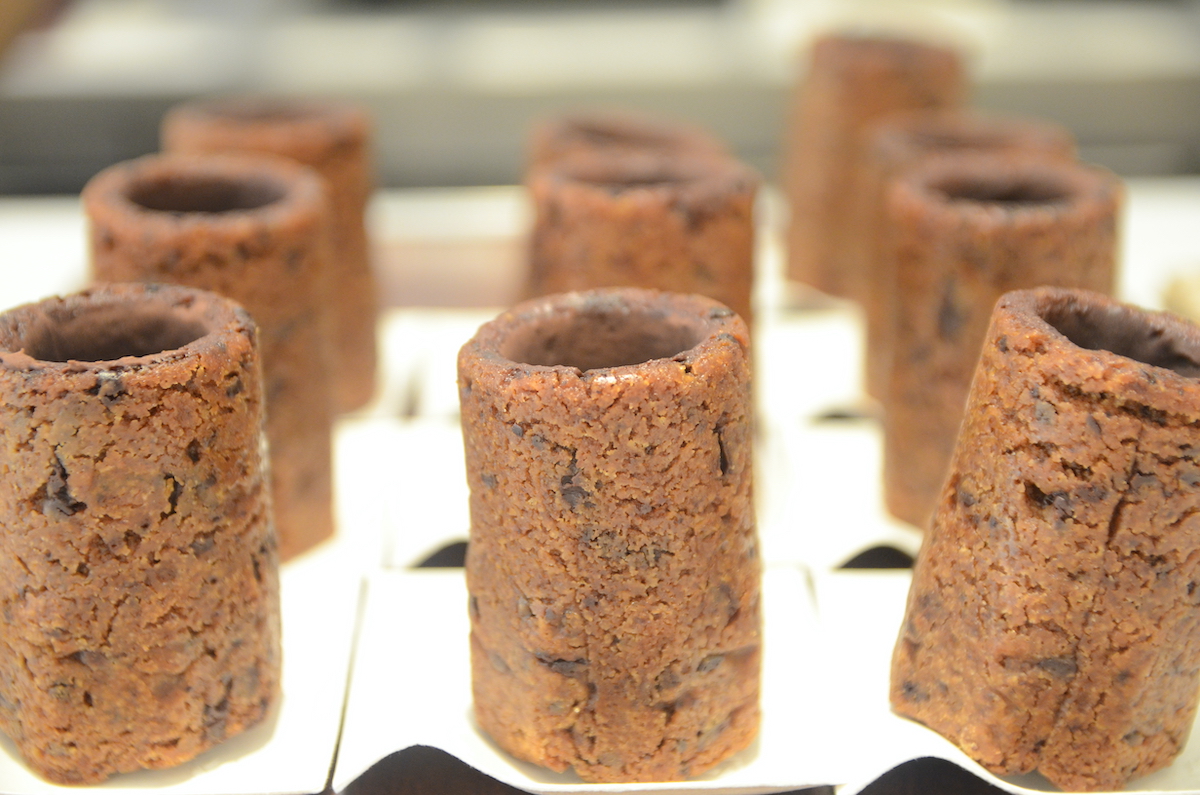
{"x": 852, "y": 83}
{"x": 1052, "y": 622}
{"x": 333, "y": 137}
{"x": 617, "y": 134}
{"x": 252, "y": 230}
{"x": 896, "y": 146}
{"x": 678, "y": 222}
{"x": 139, "y": 594}
{"x": 965, "y": 230}
{"x": 612, "y": 567}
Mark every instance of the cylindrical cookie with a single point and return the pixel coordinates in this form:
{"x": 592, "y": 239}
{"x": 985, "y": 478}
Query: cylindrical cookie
{"x": 617, "y": 134}
{"x": 1052, "y": 622}
{"x": 335, "y": 139}
{"x": 253, "y": 229}
{"x": 682, "y": 224}
{"x": 612, "y": 567}
{"x": 895, "y": 146}
{"x": 139, "y": 589}
{"x": 853, "y": 83}
{"x": 964, "y": 230}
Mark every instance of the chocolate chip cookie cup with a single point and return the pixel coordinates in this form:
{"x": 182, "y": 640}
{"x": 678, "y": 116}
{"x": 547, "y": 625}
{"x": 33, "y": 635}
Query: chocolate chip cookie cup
{"x": 139, "y": 593}
{"x": 897, "y": 145}
{"x": 853, "y": 83}
{"x": 612, "y": 566}
{"x": 681, "y": 224}
{"x": 964, "y": 230}
{"x": 617, "y": 134}
{"x": 252, "y": 229}
{"x": 1052, "y": 622}
{"x": 334, "y": 138}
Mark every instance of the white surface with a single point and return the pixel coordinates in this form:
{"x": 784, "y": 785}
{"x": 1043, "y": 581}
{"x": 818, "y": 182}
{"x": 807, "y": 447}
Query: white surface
{"x": 43, "y": 248}
{"x": 1161, "y": 237}
{"x": 823, "y": 506}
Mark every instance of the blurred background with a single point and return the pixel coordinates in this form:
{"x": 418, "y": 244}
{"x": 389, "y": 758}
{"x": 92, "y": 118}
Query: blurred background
{"x": 455, "y": 85}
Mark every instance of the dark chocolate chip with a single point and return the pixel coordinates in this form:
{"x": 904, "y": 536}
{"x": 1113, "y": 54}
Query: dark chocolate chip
{"x": 913, "y": 692}
{"x": 951, "y": 318}
{"x": 58, "y": 501}
{"x": 203, "y": 543}
{"x": 215, "y": 720}
{"x": 574, "y": 495}
{"x": 563, "y": 667}
{"x": 1061, "y": 667}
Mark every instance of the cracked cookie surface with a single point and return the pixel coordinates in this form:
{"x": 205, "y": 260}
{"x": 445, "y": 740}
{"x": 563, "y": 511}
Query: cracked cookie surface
{"x": 252, "y": 229}
{"x": 612, "y": 568}
{"x": 139, "y": 595}
{"x": 1052, "y": 622}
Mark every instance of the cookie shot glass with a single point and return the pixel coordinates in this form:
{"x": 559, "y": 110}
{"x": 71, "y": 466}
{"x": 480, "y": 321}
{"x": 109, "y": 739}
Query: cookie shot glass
{"x": 612, "y": 566}
{"x": 252, "y": 229}
{"x": 894, "y": 147}
{"x": 334, "y": 138}
{"x": 963, "y": 231}
{"x": 138, "y": 561}
{"x": 680, "y": 224}
{"x": 620, "y": 134}
{"x": 853, "y": 82}
{"x": 1052, "y": 622}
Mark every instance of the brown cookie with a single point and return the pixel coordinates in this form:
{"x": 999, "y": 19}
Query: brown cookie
{"x": 1052, "y": 622}
{"x": 677, "y": 223}
{"x": 139, "y": 591}
{"x": 895, "y": 146}
{"x": 254, "y": 229}
{"x": 613, "y": 566}
{"x": 334, "y": 138}
{"x": 964, "y": 230}
{"x": 853, "y": 82}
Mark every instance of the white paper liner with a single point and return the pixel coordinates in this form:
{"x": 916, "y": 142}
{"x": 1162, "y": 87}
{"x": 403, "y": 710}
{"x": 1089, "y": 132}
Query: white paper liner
{"x": 826, "y": 719}
{"x": 860, "y": 615}
{"x": 411, "y": 686}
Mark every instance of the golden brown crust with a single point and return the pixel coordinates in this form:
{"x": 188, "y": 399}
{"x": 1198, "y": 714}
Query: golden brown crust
{"x": 613, "y": 566}
{"x": 894, "y": 147}
{"x": 853, "y": 82}
{"x": 964, "y": 230}
{"x": 675, "y": 223}
{"x": 263, "y": 244}
{"x": 335, "y": 139}
{"x": 1052, "y": 621}
{"x": 139, "y": 594}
